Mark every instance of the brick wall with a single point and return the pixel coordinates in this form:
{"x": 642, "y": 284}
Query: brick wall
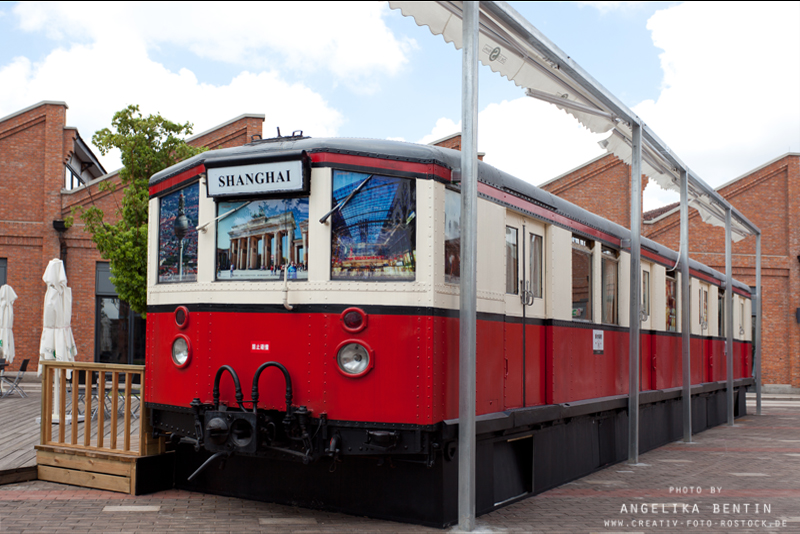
{"x": 34, "y": 146}
{"x": 589, "y": 187}
{"x": 31, "y": 177}
{"x": 769, "y": 197}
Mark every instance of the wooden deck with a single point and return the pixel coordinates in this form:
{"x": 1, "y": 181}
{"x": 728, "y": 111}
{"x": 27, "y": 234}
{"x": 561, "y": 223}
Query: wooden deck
{"x": 20, "y": 430}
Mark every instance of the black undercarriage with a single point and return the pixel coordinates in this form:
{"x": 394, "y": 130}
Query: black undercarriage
{"x": 294, "y": 434}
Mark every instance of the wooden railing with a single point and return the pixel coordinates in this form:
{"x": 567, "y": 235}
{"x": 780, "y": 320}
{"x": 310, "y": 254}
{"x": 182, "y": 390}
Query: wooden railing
{"x": 89, "y": 407}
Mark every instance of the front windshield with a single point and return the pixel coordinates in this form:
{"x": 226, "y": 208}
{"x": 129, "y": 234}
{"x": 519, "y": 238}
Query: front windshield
{"x": 263, "y": 239}
{"x": 373, "y": 237}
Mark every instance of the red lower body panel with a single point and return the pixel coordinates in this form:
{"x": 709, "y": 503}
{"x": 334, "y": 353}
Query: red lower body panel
{"x": 414, "y": 376}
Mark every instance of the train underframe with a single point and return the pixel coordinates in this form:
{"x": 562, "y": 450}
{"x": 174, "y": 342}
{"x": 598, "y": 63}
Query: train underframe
{"x": 406, "y": 472}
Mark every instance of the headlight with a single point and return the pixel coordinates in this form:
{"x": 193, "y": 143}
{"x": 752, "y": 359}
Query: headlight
{"x": 180, "y": 351}
{"x": 353, "y": 359}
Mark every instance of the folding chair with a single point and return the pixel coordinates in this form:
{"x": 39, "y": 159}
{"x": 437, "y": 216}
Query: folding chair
{"x": 15, "y": 384}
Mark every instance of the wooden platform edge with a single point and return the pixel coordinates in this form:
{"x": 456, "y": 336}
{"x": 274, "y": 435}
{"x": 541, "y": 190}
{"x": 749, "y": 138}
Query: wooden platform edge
{"x": 135, "y": 475}
{"x": 19, "y": 474}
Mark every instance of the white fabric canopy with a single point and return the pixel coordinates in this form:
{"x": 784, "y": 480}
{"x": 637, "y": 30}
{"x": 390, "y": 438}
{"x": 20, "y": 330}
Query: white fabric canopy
{"x": 507, "y": 55}
{"x": 57, "y": 342}
{"x": 505, "y": 50}
{"x": 7, "y": 298}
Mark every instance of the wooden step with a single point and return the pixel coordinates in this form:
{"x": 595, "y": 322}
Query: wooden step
{"x": 104, "y": 470}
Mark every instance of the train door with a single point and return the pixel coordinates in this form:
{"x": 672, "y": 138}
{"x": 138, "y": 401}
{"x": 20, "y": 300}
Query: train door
{"x": 532, "y": 299}
{"x": 524, "y": 378}
{"x": 701, "y": 327}
{"x": 514, "y": 322}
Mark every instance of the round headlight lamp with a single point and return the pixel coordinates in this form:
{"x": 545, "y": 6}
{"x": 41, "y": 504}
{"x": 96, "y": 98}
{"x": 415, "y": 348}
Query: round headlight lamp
{"x": 354, "y": 359}
{"x": 181, "y": 351}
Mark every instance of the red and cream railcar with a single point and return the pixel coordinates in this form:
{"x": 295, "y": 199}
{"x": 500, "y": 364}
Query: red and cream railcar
{"x": 303, "y": 330}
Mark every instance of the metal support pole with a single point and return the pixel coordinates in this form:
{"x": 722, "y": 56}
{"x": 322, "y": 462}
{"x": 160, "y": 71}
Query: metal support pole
{"x": 469, "y": 268}
{"x": 686, "y": 307}
{"x": 729, "y": 312}
{"x": 757, "y": 340}
{"x": 635, "y": 302}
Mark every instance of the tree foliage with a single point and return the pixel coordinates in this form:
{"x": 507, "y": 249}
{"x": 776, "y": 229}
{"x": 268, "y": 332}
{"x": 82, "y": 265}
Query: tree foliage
{"x": 147, "y": 146}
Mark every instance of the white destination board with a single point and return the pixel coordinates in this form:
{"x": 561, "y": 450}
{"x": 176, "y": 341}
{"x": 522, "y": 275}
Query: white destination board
{"x": 256, "y": 178}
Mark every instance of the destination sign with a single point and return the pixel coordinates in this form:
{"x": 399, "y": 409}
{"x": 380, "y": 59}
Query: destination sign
{"x": 256, "y": 179}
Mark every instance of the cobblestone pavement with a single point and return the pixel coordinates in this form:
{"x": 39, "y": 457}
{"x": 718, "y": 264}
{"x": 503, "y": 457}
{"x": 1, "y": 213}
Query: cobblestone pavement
{"x": 744, "y": 478}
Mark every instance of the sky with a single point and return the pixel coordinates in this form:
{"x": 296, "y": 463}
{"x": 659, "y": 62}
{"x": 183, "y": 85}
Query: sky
{"x": 718, "y": 82}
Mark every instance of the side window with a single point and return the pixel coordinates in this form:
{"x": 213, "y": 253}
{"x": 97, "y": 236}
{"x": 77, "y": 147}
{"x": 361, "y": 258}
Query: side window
{"x": 263, "y": 239}
{"x": 374, "y": 229}
{"x": 512, "y": 263}
{"x": 177, "y": 235}
{"x": 452, "y": 237}
{"x": 581, "y": 278}
{"x": 610, "y": 282}
{"x": 537, "y": 265}
{"x": 703, "y": 315}
{"x": 672, "y": 304}
{"x": 741, "y": 318}
{"x": 646, "y": 292}
{"x": 721, "y": 312}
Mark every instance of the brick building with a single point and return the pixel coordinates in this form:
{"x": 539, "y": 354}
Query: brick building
{"x": 46, "y": 169}
{"x": 769, "y": 196}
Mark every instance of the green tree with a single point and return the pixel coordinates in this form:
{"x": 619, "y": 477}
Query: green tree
{"x": 147, "y": 145}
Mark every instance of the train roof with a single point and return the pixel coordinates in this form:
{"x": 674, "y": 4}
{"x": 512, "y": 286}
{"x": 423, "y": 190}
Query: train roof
{"x": 425, "y": 154}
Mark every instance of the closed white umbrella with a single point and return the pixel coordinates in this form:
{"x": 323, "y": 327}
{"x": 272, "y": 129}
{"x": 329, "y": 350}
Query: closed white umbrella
{"x": 57, "y": 342}
{"x": 7, "y": 298}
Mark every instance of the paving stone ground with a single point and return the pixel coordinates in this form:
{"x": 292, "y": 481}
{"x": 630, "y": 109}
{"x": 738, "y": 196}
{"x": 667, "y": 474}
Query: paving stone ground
{"x": 744, "y": 478}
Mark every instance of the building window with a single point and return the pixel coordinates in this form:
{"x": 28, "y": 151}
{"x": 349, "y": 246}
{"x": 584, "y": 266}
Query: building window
{"x": 537, "y": 265}
{"x": 609, "y": 274}
{"x": 177, "y": 236}
{"x": 3, "y": 271}
{"x": 581, "y": 278}
{"x": 374, "y": 231}
{"x": 452, "y": 237}
{"x": 263, "y": 239}
{"x": 119, "y": 331}
{"x": 512, "y": 263}
{"x": 672, "y": 304}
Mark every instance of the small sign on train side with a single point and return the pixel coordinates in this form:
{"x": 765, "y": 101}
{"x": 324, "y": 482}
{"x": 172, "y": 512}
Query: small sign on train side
{"x": 597, "y": 341}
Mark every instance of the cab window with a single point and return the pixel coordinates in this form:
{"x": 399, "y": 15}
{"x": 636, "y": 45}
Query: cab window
{"x": 177, "y": 235}
{"x": 263, "y": 239}
{"x": 373, "y": 227}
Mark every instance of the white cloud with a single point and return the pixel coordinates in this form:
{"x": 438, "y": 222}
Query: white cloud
{"x": 527, "y": 138}
{"x": 729, "y": 101}
{"x": 349, "y": 40}
{"x": 128, "y": 76}
{"x": 605, "y": 7}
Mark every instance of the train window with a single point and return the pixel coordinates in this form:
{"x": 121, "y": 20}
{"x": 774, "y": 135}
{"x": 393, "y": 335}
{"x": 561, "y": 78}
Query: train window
{"x": 512, "y": 272}
{"x": 672, "y": 304}
{"x": 741, "y": 318}
{"x": 536, "y": 265}
{"x": 721, "y": 312}
{"x": 177, "y": 235}
{"x": 646, "y": 292}
{"x": 609, "y": 275}
{"x": 581, "y": 278}
{"x": 703, "y": 314}
{"x": 452, "y": 237}
{"x": 373, "y": 231}
{"x": 263, "y": 239}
